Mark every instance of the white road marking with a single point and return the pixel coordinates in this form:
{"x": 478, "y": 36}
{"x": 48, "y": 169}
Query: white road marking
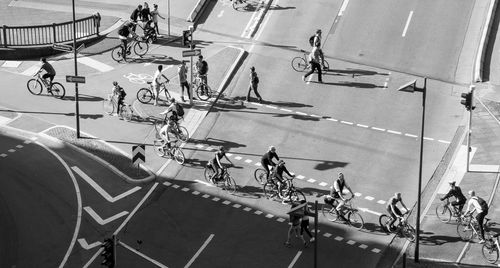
{"x": 369, "y": 198}
{"x": 258, "y": 212}
{"x": 199, "y": 146}
{"x": 363, "y": 246}
{"x": 394, "y": 132}
{"x": 385, "y": 84}
{"x": 205, "y": 196}
{"x": 370, "y": 211}
{"x": 363, "y": 126}
{"x": 269, "y": 216}
{"x": 327, "y": 234}
{"x": 209, "y": 148}
{"x": 226, "y": 202}
{"x": 300, "y": 113}
{"x": 185, "y": 189}
{"x": 332, "y": 119}
{"x": 294, "y": 260}
{"x": 379, "y": 129}
{"x": 411, "y": 135}
{"x": 357, "y": 194}
{"x": 272, "y": 107}
{"x": 347, "y": 122}
{"x": 236, "y": 206}
{"x": 429, "y": 139}
{"x": 85, "y": 245}
{"x": 176, "y": 186}
{"x": 102, "y": 221}
{"x": 3, "y": 155}
{"x": 442, "y": 141}
{"x": 248, "y": 161}
{"x": 285, "y": 110}
{"x": 351, "y": 242}
{"x": 195, "y": 193}
{"x": 221, "y": 13}
{"x": 343, "y": 7}
{"x": 315, "y": 115}
{"x": 258, "y": 164}
{"x": 280, "y": 219}
{"x": 407, "y": 23}
{"x": 229, "y": 154}
{"x": 376, "y": 250}
{"x": 100, "y": 190}
{"x": 11, "y": 150}
{"x": 101, "y": 67}
{"x": 155, "y": 262}
{"x": 247, "y": 209}
{"x": 339, "y": 238}
{"x": 19, "y": 146}
{"x": 11, "y": 64}
{"x": 199, "y": 251}
{"x": 323, "y": 184}
{"x": 238, "y": 157}
{"x": 300, "y": 177}
{"x": 215, "y": 199}
{"x": 311, "y": 180}
{"x": 381, "y": 202}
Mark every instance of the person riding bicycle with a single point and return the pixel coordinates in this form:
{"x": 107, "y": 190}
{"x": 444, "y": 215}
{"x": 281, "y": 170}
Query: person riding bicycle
{"x": 480, "y": 207}
{"x": 459, "y": 202}
{"x": 217, "y": 165}
{"x": 171, "y": 112}
{"x": 267, "y": 160}
{"x": 394, "y": 210}
{"x": 167, "y": 128}
{"x": 317, "y": 43}
{"x": 120, "y": 94}
{"x": 278, "y": 176}
{"x": 337, "y": 194}
{"x": 50, "y": 72}
{"x": 123, "y": 34}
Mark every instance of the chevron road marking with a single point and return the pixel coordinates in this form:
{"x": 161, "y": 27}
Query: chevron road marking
{"x": 101, "y": 191}
{"x": 85, "y": 245}
{"x": 102, "y": 221}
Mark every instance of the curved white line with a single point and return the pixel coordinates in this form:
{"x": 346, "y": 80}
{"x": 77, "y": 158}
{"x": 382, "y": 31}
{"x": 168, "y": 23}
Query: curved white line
{"x": 78, "y": 198}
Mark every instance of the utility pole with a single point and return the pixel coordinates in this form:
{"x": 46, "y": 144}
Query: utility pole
{"x": 77, "y": 114}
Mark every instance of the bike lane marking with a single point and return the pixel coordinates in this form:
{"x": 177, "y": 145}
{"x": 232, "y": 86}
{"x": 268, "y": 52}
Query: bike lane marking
{"x": 100, "y": 66}
{"x": 199, "y": 250}
{"x": 294, "y": 260}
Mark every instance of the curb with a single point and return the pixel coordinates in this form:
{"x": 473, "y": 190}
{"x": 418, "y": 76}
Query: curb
{"x": 260, "y": 17}
{"x": 197, "y": 10}
{"x": 481, "y": 52}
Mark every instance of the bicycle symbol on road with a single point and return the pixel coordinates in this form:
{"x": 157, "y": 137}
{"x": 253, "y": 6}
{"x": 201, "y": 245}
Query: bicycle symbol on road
{"x": 138, "y": 78}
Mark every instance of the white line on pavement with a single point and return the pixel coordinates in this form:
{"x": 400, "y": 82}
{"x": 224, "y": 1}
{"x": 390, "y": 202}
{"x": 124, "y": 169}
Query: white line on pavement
{"x": 295, "y": 259}
{"x": 220, "y": 14}
{"x": 85, "y": 245}
{"x": 157, "y": 263}
{"x": 204, "y": 182}
{"x": 100, "y": 220}
{"x": 370, "y": 211}
{"x": 407, "y": 23}
{"x": 199, "y": 251}
{"x": 101, "y": 67}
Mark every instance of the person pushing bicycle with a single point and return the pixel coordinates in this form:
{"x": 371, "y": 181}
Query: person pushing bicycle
{"x": 50, "y": 72}
{"x": 459, "y": 202}
{"x": 120, "y": 94}
{"x": 123, "y": 34}
{"x": 394, "y": 210}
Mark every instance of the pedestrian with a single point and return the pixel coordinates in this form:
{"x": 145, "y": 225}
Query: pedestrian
{"x": 254, "y": 83}
{"x": 136, "y": 14}
{"x": 157, "y": 81}
{"x": 145, "y": 15}
{"x": 481, "y": 208}
{"x": 314, "y": 62}
{"x": 202, "y": 71}
{"x": 294, "y": 222}
{"x": 155, "y": 14}
{"x": 316, "y": 42}
{"x": 182, "y": 71}
{"x": 304, "y": 223}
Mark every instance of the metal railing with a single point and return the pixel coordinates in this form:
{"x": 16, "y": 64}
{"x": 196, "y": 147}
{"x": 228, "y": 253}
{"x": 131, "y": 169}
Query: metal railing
{"x": 49, "y": 34}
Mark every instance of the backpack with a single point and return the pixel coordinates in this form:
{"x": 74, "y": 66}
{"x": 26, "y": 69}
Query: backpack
{"x": 123, "y": 31}
{"x": 204, "y": 67}
{"x": 255, "y": 79}
{"x": 482, "y": 203}
{"x": 311, "y": 40}
{"x": 122, "y": 93}
{"x": 180, "y": 110}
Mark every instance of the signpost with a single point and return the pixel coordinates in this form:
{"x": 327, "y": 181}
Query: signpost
{"x": 62, "y": 47}
{"x": 82, "y": 46}
{"x": 75, "y": 79}
{"x": 191, "y": 53}
{"x": 138, "y": 154}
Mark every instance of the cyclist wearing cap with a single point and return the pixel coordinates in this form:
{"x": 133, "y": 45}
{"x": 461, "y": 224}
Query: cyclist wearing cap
{"x": 267, "y": 160}
{"x": 337, "y": 193}
{"x": 120, "y": 94}
{"x": 459, "y": 202}
{"x": 217, "y": 165}
{"x": 394, "y": 210}
{"x": 157, "y": 82}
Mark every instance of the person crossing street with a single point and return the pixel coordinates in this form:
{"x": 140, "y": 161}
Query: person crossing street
{"x": 254, "y": 83}
{"x": 314, "y": 61}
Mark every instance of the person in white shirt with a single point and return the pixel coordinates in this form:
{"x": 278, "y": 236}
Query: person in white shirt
{"x": 315, "y": 65}
{"x": 157, "y": 82}
{"x": 480, "y": 206}
{"x": 155, "y": 14}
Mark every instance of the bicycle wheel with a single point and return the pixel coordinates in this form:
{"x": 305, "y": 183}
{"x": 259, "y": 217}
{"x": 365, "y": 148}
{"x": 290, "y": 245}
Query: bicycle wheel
{"x": 355, "y": 220}
{"x": 383, "y": 221}
{"x": 144, "y": 95}
{"x": 297, "y": 196}
{"x": 183, "y": 134}
{"x": 465, "y": 231}
{"x": 126, "y": 112}
{"x": 260, "y": 176}
{"x": 208, "y": 173}
{"x": 34, "y": 86}
{"x": 490, "y": 251}
{"x": 299, "y": 64}
{"x": 326, "y": 66}
{"x": 229, "y": 184}
{"x": 443, "y": 212}
{"x": 57, "y": 90}
{"x": 108, "y": 106}
{"x": 270, "y": 191}
{"x": 329, "y": 212}
{"x": 116, "y": 53}
{"x": 409, "y": 232}
{"x": 159, "y": 149}
{"x": 178, "y": 156}
{"x": 141, "y": 48}
{"x": 202, "y": 92}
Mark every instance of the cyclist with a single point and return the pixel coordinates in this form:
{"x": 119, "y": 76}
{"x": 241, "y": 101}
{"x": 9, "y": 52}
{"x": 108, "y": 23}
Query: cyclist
{"x": 168, "y": 127}
{"x": 123, "y": 34}
{"x": 217, "y": 165}
{"x": 120, "y": 94}
{"x": 481, "y": 208}
{"x": 50, "y": 72}
{"x": 267, "y": 160}
{"x": 278, "y": 176}
{"x": 157, "y": 82}
{"x": 394, "y": 210}
{"x": 459, "y": 202}
{"x": 337, "y": 193}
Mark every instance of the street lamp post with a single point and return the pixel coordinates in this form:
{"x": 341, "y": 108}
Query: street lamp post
{"x": 77, "y": 115}
{"x": 411, "y": 87}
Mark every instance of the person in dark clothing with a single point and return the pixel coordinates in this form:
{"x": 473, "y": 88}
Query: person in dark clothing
{"x": 304, "y": 223}
{"x": 145, "y": 15}
{"x": 267, "y": 160}
{"x": 136, "y": 14}
{"x": 459, "y": 202}
{"x": 278, "y": 175}
{"x": 254, "y": 83}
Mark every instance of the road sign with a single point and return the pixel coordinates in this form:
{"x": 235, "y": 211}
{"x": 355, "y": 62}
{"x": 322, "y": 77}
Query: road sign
{"x": 75, "y": 79}
{"x": 191, "y": 53}
{"x": 62, "y": 47}
{"x": 138, "y": 154}
{"x": 82, "y": 46}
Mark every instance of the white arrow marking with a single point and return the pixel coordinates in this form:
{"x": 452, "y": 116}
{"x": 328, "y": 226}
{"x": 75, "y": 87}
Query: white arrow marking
{"x": 370, "y": 211}
{"x": 204, "y": 182}
{"x": 101, "y": 221}
{"x": 102, "y": 191}
{"x": 86, "y": 246}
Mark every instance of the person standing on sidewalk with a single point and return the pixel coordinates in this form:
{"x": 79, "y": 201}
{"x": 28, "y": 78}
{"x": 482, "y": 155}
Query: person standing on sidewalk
{"x": 314, "y": 62}
{"x": 481, "y": 208}
{"x": 155, "y": 14}
{"x": 254, "y": 83}
{"x": 136, "y": 14}
{"x": 182, "y": 71}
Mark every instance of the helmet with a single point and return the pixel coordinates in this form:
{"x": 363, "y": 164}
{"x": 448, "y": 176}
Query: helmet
{"x": 252, "y": 68}
{"x": 115, "y": 83}
{"x": 341, "y": 176}
{"x": 452, "y": 183}
{"x": 398, "y": 194}
{"x": 272, "y": 148}
{"x": 318, "y": 31}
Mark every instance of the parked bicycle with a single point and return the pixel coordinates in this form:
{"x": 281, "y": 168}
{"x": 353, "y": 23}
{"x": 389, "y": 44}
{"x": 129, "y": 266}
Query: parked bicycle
{"x": 403, "y": 228}
{"x": 37, "y": 84}
{"x": 226, "y": 183}
{"x": 180, "y": 132}
{"x": 468, "y": 229}
{"x": 174, "y": 152}
{"x": 352, "y": 215}
{"x": 445, "y": 211}
{"x": 301, "y": 64}
{"x": 287, "y": 189}
{"x": 203, "y": 90}
{"x": 110, "y": 106}
{"x": 491, "y": 247}
{"x": 138, "y": 45}
{"x": 260, "y": 175}
{"x": 146, "y": 95}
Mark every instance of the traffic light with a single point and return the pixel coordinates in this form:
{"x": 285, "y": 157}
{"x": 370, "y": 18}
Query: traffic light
{"x": 109, "y": 252}
{"x": 467, "y": 101}
{"x": 185, "y": 38}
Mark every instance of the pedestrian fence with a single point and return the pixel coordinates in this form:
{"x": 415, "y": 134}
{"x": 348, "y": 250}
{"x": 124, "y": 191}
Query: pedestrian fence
{"x": 49, "y": 34}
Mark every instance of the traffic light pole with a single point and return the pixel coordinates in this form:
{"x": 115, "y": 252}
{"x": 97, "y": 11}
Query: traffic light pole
{"x": 469, "y": 128}
{"x": 77, "y": 114}
{"x": 191, "y": 84}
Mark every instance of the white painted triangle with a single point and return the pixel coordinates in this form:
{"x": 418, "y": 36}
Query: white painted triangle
{"x": 102, "y": 221}
{"x": 85, "y": 245}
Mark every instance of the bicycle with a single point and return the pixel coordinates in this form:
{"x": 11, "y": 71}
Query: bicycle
{"x": 260, "y": 175}
{"x": 203, "y": 90}
{"x": 110, "y": 105}
{"x": 445, "y": 211}
{"x": 468, "y": 229}
{"x": 180, "y": 132}
{"x": 352, "y": 215}
{"x": 174, "y": 152}
{"x": 301, "y": 64}
{"x": 227, "y": 182}
{"x": 239, "y": 4}
{"x": 403, "y": 228}
{"x": 287, "y": 189}
{"x": 139, "y": 46}
{"x": 491, "y": 247}
{"x": 36, "y": 85}
{"x": 146, "y": 95}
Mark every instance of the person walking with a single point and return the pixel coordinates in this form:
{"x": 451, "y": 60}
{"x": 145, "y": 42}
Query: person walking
{"x": 304, "y": 223}
{"x": 145, "y": 15}
{"x": 254, "y": 83}
{"x": 481, "y": 208}
{"x": 294, "y": 222}
{"x": 155, "y": 14}
{"x": 317, "y": 43}
{"x": 182, "y": 71}
{"x": 314, "y": 61}
{"x": 136, "y": 14}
